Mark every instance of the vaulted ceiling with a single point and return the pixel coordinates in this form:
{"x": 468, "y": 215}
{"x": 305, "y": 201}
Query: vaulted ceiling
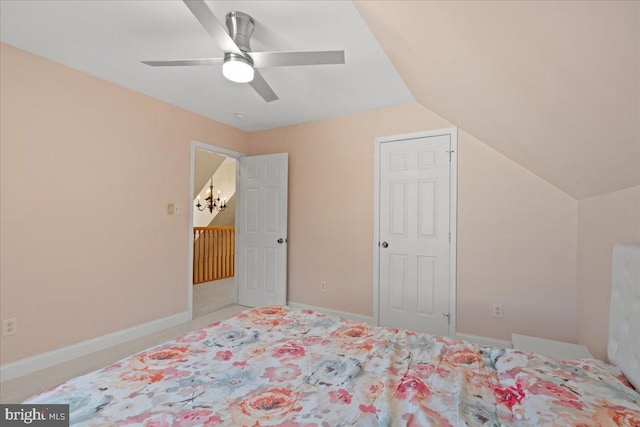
{"x": 553, "y": 85}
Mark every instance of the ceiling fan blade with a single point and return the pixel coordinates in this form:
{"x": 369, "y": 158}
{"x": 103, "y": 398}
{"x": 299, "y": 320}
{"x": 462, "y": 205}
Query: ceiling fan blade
{"x": 260, "y": 85}
{"x": 284, "y": 59}
{"x": 187, "y": 62}
{"x": 210, "y": 23}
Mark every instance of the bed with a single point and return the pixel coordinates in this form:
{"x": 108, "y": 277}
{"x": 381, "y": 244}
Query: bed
{"x": 281, "y": 366}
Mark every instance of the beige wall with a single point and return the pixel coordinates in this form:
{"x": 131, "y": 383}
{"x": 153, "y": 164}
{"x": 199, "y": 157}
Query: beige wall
{"x": 602, "y": 222}
{"x": 227, "y": 217}
{"x": 517, "y": 233}
{"x": 517, "y": 238}
{"x": 87, "y": 171}
{"x": 205, "y": 164}
{"x": 88, "y": 168}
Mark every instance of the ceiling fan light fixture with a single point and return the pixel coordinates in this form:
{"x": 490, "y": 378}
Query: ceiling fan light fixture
{"x": 237, "y": 69}
{"x": 239, "y": 59}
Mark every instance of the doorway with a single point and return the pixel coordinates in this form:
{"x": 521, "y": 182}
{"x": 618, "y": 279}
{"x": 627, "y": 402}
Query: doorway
{"x": 415, "y": 231}
{"x": 213, "y": 187}
{"x": 260, "y": 223}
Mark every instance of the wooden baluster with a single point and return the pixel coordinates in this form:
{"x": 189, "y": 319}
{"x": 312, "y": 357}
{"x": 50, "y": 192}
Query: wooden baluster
{"x": 229, "y": 261}
{"x": 221, "y": 254}
{"x": 217, "y": 249}
{"x": 212, "y": 261}
{"x": 201, "y": 259}
{"x": 230, "y": 252}
{"x": 196, "y": 256}
{"x": 213, "y": 253}
{"x": 215, "y": 258}
{"x": 212, "y": 248}
{"x": 205, "y": 257}
{"x": 233, "y": 251}
{"x": 219, "y": 257}
{"x": 193, "y": 261}
{"x": 224, "y": 252}
{"x": 220, "y": 244}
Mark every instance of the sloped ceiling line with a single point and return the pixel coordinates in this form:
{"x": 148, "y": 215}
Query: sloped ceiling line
{"x": 554, "y": 86}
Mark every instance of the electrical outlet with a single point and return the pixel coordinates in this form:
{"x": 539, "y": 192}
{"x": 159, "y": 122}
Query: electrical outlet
{"x": 10, "y": 326}
{"x": 497, "y": 310}
{"x": 323, "y": 286}
{"x": 179, "y": 209}
{"x": 171, "y": 209}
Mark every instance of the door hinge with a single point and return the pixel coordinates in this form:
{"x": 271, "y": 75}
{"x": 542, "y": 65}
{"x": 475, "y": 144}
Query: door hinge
{"x": 450, "y": 153}
{"x": 448, "y": 316}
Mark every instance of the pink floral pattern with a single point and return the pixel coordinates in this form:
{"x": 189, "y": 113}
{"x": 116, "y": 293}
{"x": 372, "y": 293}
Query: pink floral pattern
{"x": 536, "y": 390}
{"x": 279, "y": 366}
{"x": 288, "y": 372}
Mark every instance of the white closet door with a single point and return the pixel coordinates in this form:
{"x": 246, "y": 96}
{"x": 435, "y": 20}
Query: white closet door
{"x": 414, "y": 234}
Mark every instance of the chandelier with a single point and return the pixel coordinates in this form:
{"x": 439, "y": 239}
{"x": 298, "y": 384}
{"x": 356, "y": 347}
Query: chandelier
{"x": 211, "y": 203}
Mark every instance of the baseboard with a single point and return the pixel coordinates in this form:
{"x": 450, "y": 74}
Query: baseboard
{"x": 492, "y": 342}
{"x": 337, "y": 313}
{"x": 31, "y": 364}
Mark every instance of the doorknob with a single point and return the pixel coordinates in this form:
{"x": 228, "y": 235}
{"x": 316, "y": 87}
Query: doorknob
{"x": 281, "y": 240}
{"x": 385, "y": 245}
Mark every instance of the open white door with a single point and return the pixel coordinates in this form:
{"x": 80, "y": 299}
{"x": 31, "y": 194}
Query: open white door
{"x": 261, "y": 230}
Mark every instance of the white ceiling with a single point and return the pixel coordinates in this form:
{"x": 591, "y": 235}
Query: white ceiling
{"x": 109, "y": 38}
{"x": 555, "y": 86}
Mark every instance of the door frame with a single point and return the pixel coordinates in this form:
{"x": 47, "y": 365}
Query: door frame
{"x": 453, "y": 208}
{"x": 225, "y": 152}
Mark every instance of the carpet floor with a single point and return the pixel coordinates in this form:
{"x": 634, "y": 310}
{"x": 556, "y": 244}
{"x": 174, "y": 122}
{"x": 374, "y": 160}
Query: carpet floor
{"x": 213, "y": 296}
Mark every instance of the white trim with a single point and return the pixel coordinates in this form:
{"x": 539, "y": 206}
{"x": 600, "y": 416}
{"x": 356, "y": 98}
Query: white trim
{"x": 453, "y": 217}
{"x": 453, "y": 229}
{"x": 219, "y": 150}
{"x": 492, "y": 342}
{"x": 376, "y": 230}
{"x": 26, "y": 366}
{"x": 337, "y": 313}
{"x": 225, "y": 152}
{"x": 417, "y": 135}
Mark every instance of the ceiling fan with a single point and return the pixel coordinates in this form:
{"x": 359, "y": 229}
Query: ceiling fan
{"x": 240, "y": 63}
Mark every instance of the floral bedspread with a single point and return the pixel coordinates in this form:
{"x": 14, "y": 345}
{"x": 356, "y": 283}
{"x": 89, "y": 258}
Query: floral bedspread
{"x": 279, "y": 366}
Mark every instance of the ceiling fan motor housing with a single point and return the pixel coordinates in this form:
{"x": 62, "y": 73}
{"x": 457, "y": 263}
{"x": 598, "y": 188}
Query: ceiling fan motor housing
{"x": 240, "y": 27}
